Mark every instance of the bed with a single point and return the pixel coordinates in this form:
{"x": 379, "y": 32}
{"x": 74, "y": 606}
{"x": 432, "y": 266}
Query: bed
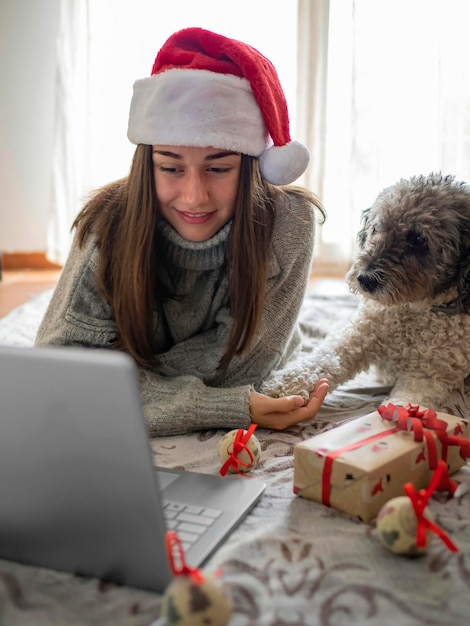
{"x": 292, "y": 562}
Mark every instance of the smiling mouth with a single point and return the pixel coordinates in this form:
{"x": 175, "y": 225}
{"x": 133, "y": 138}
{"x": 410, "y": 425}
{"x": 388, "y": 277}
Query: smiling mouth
{"x": 195, "y": 214}
{"x": 196, "y": 218}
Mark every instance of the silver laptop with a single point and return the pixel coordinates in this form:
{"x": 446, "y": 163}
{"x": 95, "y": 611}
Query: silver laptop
{"x": 78, "y": 488}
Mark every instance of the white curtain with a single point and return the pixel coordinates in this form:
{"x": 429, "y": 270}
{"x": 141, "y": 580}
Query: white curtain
{"x": 398, "y": 104}
{"x": 310, "y": 105}
{"x": 71, "y": 136}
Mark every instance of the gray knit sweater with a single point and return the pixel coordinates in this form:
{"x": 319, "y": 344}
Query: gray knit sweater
{"x": 186, "y": 393}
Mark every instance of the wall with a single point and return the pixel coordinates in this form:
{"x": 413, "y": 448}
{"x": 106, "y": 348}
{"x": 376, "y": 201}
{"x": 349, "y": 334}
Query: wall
{"x": 27, "y": 69}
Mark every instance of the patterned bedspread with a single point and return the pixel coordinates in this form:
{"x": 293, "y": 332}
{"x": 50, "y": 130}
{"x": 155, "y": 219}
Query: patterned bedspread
{"x": 292, "y": 562}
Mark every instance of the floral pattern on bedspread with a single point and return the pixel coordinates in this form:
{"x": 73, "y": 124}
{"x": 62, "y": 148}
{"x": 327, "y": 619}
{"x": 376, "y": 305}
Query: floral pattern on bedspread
{"x": 292, "y": 562}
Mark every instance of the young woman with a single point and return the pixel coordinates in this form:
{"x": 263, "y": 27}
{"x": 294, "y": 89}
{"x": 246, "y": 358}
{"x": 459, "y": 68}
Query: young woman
{"x": 196, "y": 264}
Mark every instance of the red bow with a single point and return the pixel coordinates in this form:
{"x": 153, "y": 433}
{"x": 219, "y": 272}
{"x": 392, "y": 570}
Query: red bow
{"x": 237, "y": 446}
{"x": 419, "y": 500}
{"x": 422, "y": 424}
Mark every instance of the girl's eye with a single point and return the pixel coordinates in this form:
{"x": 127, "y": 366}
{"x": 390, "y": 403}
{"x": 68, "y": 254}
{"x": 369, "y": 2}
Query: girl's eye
{"x": 219, "y": 170}
{"x": 169, "y": 170}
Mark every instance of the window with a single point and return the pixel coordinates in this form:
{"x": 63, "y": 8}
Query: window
{"x": 398, "y": 104}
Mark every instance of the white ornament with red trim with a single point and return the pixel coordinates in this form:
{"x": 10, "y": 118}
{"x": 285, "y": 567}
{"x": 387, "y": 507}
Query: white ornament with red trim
{"x": 187, "y": 602}
{"x": 404, "y": 523}
{"x": 397, "y": 525}
{"x": 193, "y": 598}
{"x": 239, "y": 451}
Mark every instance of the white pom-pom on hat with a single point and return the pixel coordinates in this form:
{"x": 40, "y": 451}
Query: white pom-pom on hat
{"x": 207, "y": 90}
{"x": 281, "y": 165}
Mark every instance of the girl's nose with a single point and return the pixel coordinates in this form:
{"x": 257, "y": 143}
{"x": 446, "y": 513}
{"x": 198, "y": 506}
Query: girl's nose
{"x": 194, "y": 190}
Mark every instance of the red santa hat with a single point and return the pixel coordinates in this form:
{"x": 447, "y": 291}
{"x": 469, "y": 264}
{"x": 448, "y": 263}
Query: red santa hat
{"x": 206, "y": 90}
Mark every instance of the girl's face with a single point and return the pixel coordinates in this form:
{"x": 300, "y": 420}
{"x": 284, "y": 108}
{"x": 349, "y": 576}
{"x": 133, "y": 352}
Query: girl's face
{"x": 196, "y": 188}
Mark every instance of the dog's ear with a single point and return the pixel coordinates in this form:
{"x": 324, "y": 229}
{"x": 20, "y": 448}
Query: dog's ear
{"x": 463, "y": 274}
{"x": 362, "y": 234}
{"x": 463, "y": 286}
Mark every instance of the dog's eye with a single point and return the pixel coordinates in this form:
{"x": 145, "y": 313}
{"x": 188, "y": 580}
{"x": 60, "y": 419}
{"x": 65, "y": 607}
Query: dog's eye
{"x": 416, "y": 240}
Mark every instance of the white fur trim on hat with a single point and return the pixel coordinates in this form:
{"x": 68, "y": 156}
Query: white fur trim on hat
{"x": 191, "y": 107}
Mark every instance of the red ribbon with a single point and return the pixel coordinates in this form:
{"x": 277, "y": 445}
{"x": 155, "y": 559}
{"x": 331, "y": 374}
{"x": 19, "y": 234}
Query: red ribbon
{"x": 237, "y": 446}
{"x": 423, "y": 424}
{"x": 177, "y": 561}
{"x": 419, "y": 500}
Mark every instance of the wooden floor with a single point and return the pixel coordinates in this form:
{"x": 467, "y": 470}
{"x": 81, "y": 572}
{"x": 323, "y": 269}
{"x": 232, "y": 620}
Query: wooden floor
{"x": 18, "y": 286}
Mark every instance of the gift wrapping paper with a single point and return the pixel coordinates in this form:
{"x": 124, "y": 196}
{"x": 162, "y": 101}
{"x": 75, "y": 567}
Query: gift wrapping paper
{"x": 358, "y": 466}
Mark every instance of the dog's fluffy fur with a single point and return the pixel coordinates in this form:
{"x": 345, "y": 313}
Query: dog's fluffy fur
{"x": 412, "y": 270}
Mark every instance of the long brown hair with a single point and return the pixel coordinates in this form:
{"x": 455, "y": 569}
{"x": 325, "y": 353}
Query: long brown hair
{"x": 122, "y": 217}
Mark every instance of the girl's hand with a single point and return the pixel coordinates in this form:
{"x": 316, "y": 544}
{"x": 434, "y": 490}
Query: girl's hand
{"x": 281, "y": 413}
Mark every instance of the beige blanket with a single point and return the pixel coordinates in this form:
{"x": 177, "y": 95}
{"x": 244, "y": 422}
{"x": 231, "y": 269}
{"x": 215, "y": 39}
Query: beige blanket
{"x": 292, "y": 562}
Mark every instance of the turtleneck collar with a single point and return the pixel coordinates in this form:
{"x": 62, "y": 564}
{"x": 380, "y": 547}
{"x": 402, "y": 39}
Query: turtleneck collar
{"x": 196, "y": 255}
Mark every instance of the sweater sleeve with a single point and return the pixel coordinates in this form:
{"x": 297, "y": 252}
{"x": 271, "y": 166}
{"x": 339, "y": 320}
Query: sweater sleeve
{"x": 182, "y": 404}
{"x": 79, "y": 316}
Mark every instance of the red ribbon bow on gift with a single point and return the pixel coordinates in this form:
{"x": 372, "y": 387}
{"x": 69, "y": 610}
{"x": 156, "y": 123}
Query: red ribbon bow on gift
{"x": 419, "y": 500}
{"x": 237, "y": 446}
{"x": 422, "y": 424}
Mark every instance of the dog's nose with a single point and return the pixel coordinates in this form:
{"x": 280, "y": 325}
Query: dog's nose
{"x": 368, "y": 282}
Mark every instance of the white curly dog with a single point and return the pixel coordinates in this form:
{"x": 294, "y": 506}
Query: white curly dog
{"x": 412, "y": 270}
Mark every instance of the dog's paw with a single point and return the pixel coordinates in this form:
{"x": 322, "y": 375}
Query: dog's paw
{"x": 273, "y": 388}
{"x": 279, "y": 387}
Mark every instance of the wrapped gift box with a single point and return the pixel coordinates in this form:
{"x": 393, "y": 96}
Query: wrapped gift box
{"x": 358, "y": 466}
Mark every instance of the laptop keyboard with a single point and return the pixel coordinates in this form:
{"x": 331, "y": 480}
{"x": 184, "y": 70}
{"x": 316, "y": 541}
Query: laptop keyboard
{"x": 189, "y": 521}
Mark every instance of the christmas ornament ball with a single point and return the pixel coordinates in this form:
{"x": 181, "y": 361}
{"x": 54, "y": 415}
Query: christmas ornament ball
{"x": 187, "y": 602}
{"x": 397, "y": 524}
{"x": 228, "y": 447}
